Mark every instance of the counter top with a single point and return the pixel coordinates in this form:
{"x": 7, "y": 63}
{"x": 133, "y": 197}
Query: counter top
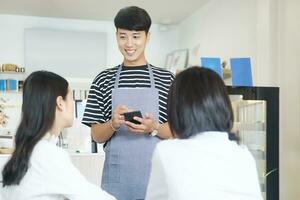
{"x": 86, "y": 154}
{"x": 71, "y": 154}
{"x": 4, "y": 155}
{"x": 89, "y": 164}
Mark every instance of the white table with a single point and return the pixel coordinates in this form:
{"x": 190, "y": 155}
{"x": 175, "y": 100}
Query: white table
{"x": 89, "y": 164}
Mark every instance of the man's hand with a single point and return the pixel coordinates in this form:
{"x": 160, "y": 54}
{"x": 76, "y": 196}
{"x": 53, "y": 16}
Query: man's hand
{"x": 148, "y": 124}
{"x": 118, "y": 117}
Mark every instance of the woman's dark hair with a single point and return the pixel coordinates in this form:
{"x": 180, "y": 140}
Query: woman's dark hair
{"x": 133, "y": 18}
{"x": 40, "y": 91}
{"x": 198, "y": 102}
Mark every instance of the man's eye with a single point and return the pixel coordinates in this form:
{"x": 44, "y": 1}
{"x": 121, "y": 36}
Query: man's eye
{"x": 136, "y": 37}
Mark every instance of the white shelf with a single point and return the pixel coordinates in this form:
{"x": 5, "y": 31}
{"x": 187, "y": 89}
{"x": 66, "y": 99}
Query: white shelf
{"x": 10, "y": 91}
{"x": 250, "y": 126}
{"x": 12, "y": 72}
{"x": 86, "y": 154}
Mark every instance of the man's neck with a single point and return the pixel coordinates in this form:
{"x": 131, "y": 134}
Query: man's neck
{"x": 134, "y": 63}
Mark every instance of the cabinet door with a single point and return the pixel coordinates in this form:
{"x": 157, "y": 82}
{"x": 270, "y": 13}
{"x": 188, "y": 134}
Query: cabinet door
{"x": 250, "y": 126}
{"x": 256, "y": 112}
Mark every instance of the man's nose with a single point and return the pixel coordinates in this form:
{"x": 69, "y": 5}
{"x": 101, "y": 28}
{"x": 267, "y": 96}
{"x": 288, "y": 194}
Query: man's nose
{"x": 129, "y": 42}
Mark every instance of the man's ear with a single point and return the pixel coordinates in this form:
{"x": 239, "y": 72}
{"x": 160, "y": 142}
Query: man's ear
{"x": 117, "y": 31}
{"x": 59, "y": 103}
{"x": 148, "y": 36}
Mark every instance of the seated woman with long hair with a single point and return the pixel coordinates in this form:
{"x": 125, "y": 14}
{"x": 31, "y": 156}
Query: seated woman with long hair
{"x": 38, "y": 169}
{"x": 205, "y": 161}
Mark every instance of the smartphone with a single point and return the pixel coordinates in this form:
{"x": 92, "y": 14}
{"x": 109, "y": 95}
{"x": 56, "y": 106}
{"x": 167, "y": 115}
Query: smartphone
{"x": 129, "y": 116}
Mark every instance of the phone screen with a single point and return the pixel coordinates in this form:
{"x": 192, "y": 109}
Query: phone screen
{"x": 129, "y": 116}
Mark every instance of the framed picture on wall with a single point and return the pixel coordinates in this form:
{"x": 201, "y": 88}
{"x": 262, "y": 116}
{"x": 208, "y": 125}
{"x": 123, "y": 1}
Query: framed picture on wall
{"x": 177, "y": 60}
{"x": 79, "y": 109}
{"x": 169, "y": 60}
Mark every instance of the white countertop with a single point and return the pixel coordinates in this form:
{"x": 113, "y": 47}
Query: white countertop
{"x": 89, "y": 164}
{"x": 71, "y": 154}
{"x": 4, "y": 155}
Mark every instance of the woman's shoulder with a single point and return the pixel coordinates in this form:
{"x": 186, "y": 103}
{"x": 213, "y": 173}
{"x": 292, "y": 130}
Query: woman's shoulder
{"x": 170, "y": 145}
{"x": 47, "y": 153}
{"x": 46, "y": 146}
{"x": 214, "y": 142}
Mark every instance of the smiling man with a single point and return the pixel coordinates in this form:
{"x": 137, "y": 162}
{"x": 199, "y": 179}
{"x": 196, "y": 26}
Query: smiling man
{"x": 134, "y": 85}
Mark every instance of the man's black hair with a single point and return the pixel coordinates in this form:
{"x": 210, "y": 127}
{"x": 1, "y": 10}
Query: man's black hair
{"x": 133, "y": 18}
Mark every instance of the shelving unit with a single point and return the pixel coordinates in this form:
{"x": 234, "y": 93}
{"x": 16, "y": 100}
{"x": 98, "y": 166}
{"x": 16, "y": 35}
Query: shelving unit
{"x": 10, "y": 100}
{"x": 11, "y": 72}
{"x": 256, "y": 120}
{"x": 11, "y": 75}
{"x": 250, "y": 123}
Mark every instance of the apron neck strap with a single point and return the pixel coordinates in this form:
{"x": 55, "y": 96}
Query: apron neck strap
{"x": 150, "y": 76}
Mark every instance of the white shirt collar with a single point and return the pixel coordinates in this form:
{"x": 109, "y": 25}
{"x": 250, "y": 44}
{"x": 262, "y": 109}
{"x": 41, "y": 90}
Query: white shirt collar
{"x": 50, "y": 138}
{"x": 211, "y": 134}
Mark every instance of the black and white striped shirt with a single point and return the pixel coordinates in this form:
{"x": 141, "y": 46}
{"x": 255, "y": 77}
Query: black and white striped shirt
{"x": 98, "y": 107}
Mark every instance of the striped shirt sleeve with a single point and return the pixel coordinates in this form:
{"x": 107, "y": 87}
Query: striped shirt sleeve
{"x": 94, "y": 110}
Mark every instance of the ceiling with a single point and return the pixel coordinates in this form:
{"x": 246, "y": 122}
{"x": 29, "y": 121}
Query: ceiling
{"x": 161, "y": 11}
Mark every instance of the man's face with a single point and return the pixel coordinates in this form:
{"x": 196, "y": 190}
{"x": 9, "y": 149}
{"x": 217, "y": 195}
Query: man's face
{"x": 132, "y": 45}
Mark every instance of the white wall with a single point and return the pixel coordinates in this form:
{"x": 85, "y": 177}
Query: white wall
{"x": 289, "y": 62}
{"x": 65, "y": 50}
{"x": 12, "y": 37}
{"x": 231, "y": 28}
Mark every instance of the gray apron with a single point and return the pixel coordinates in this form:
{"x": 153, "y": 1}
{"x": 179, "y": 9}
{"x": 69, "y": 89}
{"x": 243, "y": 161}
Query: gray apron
{"x": 128, "y": 155}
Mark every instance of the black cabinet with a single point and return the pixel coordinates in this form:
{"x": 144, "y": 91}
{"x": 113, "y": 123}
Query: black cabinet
{"x": 256, "y": 116}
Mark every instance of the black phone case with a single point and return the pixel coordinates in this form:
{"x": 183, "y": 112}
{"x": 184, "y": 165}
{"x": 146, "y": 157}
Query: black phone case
{"x": 129, "y": 116}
